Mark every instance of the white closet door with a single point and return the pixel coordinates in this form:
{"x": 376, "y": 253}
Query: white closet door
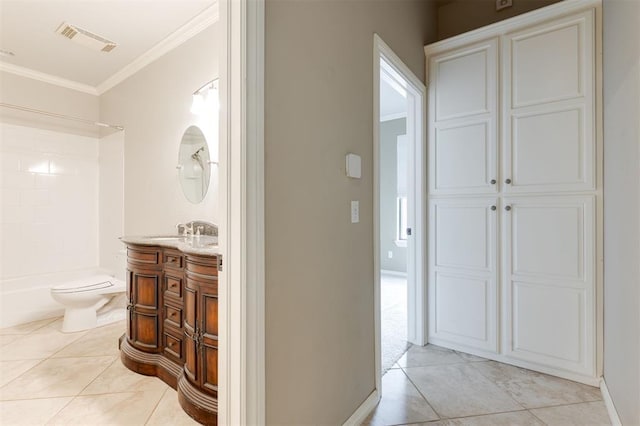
{"x": 462, "y": 285}
{"x": 549, "y": 280}
{"x": 548, "y": 104}
{"x": 462, "y": 117}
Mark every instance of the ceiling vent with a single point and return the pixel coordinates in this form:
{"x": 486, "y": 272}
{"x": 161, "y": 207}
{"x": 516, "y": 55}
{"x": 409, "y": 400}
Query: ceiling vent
{"x": 85, "y": 38}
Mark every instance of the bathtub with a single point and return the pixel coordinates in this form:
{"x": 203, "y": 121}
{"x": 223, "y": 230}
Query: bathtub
{"x": 28, "y": 298}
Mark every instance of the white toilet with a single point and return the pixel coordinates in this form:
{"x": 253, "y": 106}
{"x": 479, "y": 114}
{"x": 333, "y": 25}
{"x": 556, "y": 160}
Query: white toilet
{"x": 83, "y": 300}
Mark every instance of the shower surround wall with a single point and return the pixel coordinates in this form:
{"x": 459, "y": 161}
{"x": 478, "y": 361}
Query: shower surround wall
{"x": 49, "y": 192}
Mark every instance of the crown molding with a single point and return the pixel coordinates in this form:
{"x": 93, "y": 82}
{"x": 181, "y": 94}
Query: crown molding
{"x": 48, "y": 78}
{"x": 200, "y": 22}
{"x": 197, "y": 24}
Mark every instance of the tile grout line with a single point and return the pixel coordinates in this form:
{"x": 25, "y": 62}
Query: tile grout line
{"x": 506, "y": 390}
{"x": 96, "y": 378}
{"x": 40, "y": 361}
{"x": 533, "y": 414}
{"x": 421, "y": 394}
{"x": 491, "y": 381}
{"x": 156, "y": 406}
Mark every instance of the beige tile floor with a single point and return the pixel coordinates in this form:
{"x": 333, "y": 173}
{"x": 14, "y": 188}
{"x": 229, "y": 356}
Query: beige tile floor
{"x": 52, "y": 378}
{"x": 433, "y": 386}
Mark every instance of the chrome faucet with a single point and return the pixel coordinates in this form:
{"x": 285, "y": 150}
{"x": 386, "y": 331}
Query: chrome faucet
{"x": 187, "y": 229}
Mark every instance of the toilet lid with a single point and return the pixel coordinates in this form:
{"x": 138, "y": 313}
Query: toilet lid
{"x": 87, "y": 284}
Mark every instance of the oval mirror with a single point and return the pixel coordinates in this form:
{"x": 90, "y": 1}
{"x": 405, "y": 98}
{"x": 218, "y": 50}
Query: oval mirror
{"x": 194, "y": 169}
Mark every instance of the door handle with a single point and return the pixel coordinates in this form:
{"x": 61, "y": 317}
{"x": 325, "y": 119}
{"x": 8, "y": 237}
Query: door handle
{"x": 493, "y": 207}
{"x": 507, "y": 181}
{"x": 493, "y": 181}
{"x": 408, "y": 231}
{"x": 507, "y": 208}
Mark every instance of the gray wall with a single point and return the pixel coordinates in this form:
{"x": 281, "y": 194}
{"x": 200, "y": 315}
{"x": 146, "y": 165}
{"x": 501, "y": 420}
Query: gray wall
{"x": 319, "y": 266}
{"x": 389, "y": 132}
{"x": 459, "y": 16}
{"x": 154, "y": 107}
{"x": 622, "y": 206}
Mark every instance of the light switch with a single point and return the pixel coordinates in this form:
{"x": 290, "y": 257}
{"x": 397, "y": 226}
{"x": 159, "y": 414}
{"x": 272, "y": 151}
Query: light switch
{"x": 355, "y": 211}
{"x": 354, "y": 166}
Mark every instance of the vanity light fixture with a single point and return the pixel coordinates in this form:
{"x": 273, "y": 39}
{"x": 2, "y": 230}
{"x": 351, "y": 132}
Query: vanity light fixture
{"x": 205, "y": 98}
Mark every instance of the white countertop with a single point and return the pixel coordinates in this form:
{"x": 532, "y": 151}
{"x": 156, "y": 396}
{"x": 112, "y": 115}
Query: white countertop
{"x": 204, "y": 245}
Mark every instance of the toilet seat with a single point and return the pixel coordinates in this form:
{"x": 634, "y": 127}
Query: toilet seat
{"x": 84, "y": 300}
{"x": 98, "y": 283}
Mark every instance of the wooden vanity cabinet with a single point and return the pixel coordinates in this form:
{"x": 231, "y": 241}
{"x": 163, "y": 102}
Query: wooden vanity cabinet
{"x": 172, "y": 323}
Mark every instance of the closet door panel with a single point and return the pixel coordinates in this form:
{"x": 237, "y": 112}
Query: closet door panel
{"x": 547, "y": 64}
{"x": 549, "y": 281}
{"x": 463, "y": 99}
{"x": 462, "y": 284}
{"x": 469, "y": 146}
{"x": 548, "y": 107}
{"x": 548, "y": 149}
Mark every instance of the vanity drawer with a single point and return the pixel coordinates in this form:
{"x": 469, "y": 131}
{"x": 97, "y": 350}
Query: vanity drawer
{"x": 207, "y": 267}
{"x": 172, "y": 316}
{"x": 173, "y": 285}
{"x": 173, "y": 259}
{"x": 142, "y": 256}
{"x": 173, "y": 346}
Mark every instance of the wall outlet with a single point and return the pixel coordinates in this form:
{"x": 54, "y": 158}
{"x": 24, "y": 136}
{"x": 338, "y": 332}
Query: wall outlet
{"x": 502, "y": 4}
{"x": 390, "y": 254}
{"x": 355, "y": 211}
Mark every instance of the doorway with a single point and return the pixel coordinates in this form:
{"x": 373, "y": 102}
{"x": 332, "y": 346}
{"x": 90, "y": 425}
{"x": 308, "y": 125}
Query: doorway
{"x": 399, "y": 176}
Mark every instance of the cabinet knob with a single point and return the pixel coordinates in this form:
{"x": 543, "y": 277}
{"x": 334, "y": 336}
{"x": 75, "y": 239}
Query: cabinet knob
{"x": 507, "y": 181}
{"x": 493, "y": 207}
{"x": 507, "y": 208}
{"x": 493, "y": 181}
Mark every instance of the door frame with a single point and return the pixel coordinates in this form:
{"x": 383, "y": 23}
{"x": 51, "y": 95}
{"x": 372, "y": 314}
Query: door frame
{"x": 416, "y": 115}
{"x": 241, "y": 362}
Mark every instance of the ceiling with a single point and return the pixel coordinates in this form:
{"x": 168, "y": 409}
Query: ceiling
{"x": 27, "y": 28}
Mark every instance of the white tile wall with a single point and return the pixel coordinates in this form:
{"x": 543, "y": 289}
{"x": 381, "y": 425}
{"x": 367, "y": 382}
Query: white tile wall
{"x": 49, "y": 201}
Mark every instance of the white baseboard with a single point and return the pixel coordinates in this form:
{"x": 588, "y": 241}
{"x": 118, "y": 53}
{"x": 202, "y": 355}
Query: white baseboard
{"x": 608, "y": 402}
{"x": 358, "y": 417}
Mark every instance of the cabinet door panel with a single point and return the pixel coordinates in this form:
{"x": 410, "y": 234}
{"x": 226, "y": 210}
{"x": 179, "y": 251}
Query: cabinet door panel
{"x": 548, "y": 148}
{"x": 550, "y": 281}
{"x": 146, "y": 290}
{"x": 461, "y": 78}
{"x": 462, "y": 120}
{"x": 462, "y": 279}
{"x": 548, "y": 107}
{"x": 469, "y": 147}
{"x": 464, "y": 232}
{"x": 191, "y": 311}
{"x": 549, "y": 323}
{"x": 546, "y": 63}
{"x": 146, "y": 330}
{"x": 190, "y": 307}
{"x": 210, "y": 367}
{"x": 462, "y": 307}
{"x": 191, "y": 362}
{"x": 210, "y": 313}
